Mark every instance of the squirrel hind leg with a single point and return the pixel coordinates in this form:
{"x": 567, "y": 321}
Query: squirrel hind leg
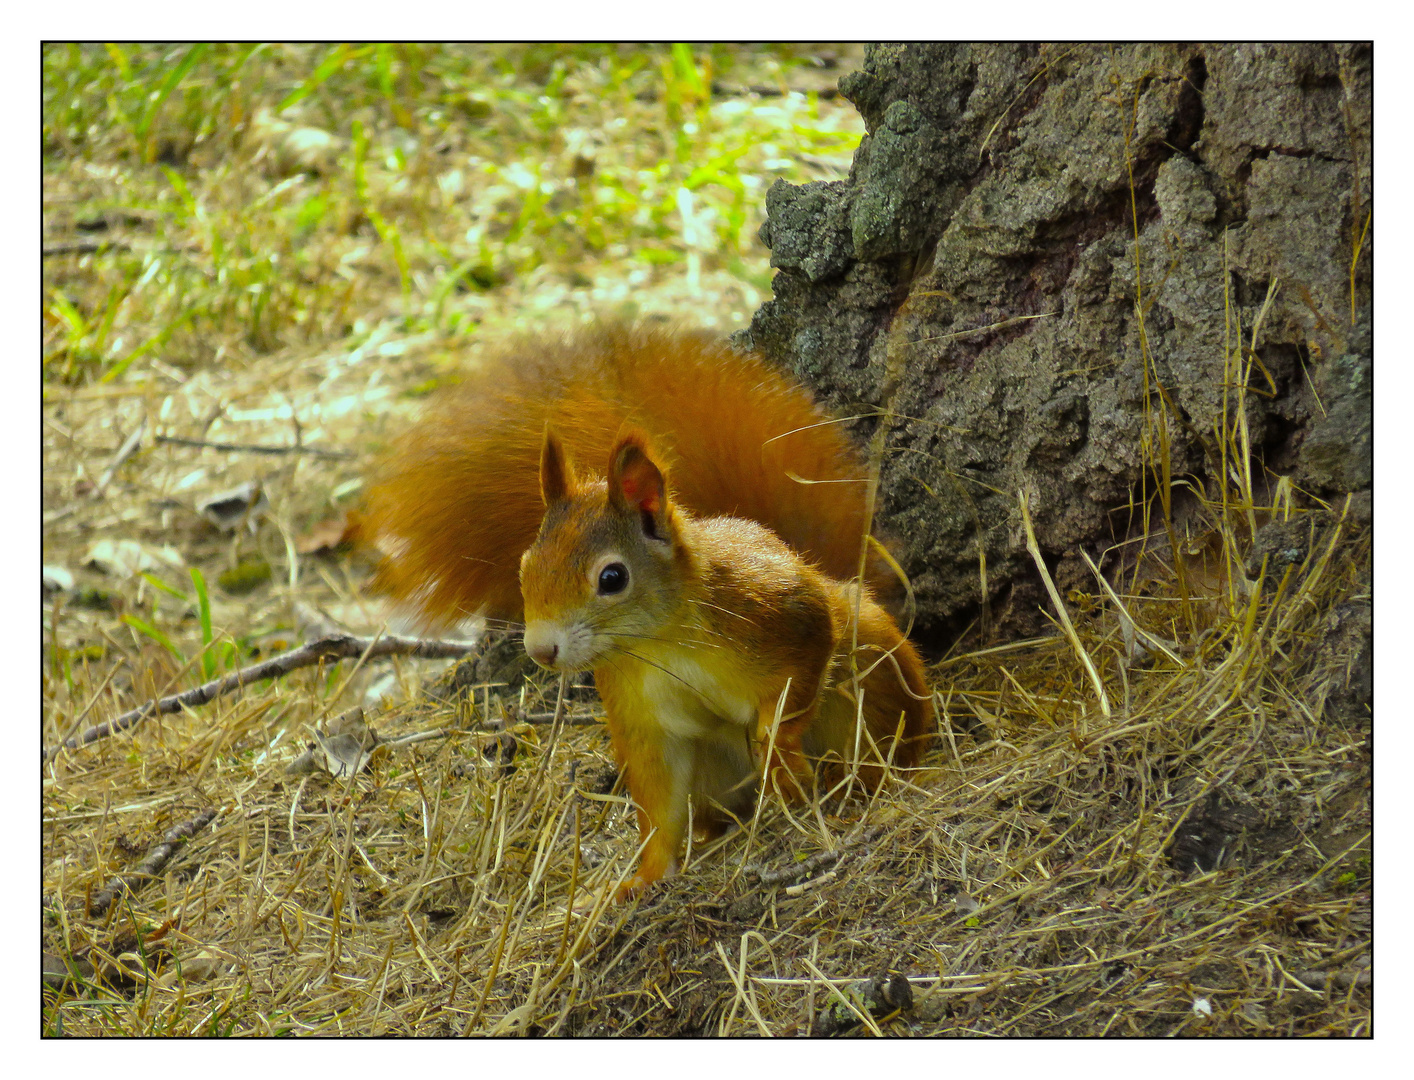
{"x": 875, "y": 748}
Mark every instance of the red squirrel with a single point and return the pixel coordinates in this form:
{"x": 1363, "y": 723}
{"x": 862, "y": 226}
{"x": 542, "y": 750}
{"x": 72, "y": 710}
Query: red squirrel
{"x": 703, "y": 575}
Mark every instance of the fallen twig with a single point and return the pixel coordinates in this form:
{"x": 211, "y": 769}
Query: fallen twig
{"x": 83, "y": 247}
{"x": 334, "y": 647}
{"x": 808, "y": 867}
{"x": 720, "y": 89}
{"x": 576, "y": 719}
{"x": 814, "y": 883}
{"x": 151, "y": 866}
{"x": 253, "y": 448}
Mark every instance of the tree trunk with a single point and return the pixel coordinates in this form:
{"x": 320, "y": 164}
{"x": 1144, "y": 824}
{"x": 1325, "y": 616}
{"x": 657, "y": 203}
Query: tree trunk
{"x": 975, "y": 278}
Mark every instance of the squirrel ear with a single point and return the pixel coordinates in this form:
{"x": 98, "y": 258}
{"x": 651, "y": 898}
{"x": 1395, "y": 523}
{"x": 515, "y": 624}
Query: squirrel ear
{"x": 636, "y": 484}
{"x": 556, "y": 472}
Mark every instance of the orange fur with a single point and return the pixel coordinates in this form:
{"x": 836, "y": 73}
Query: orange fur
{"x": 702, "y": 583}
{"x": 456, "y": 502}
{"x": 718, "y": 621}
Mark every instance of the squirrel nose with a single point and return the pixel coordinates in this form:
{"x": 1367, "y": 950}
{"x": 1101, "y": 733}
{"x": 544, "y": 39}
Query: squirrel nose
{"x": 544, "y": 655}
{"x": 542, "y": 643}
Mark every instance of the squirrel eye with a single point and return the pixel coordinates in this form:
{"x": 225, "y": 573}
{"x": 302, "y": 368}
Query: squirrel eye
{"x": 613, "y": 579}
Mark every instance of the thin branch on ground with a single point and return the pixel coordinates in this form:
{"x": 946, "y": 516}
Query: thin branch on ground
{"x": 150, "y": 867}
{"x": 334, "y": 647}
{"x": 253, "y": 448}
{"x": 808, "y": 867}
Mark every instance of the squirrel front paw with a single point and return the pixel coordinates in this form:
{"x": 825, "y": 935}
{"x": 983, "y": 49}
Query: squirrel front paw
{"x": 649, "y": 871}
{"x": 631, "y": 888}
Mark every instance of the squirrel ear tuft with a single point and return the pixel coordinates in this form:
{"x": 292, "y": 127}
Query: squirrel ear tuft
{"x": 636, "y": 484}
{"x": 556, "y": 472}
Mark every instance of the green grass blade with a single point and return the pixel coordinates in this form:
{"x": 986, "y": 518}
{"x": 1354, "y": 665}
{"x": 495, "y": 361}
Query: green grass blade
{"x": 63, "y": 309}
{"x": 386, "y": 230}
{"x": 170, "y": 83}
{"x": 156, "y": 341}
{"x": 156, "y": 635}
{"x": 161, "y": 586}
{"x": 116, "y": 294}
{"x": 179, "y": 185}
{"x": 120, "y": 59}
{"x": 685, "y": 68}
{"x": 338, "y": 56}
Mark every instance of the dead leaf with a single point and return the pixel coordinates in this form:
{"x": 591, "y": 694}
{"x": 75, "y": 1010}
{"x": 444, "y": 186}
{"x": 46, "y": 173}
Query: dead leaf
{"x": 327, "y": 536}
{"x": 343, "y": 751}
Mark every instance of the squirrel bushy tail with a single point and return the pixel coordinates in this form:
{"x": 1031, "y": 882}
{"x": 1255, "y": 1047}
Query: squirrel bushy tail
{"x": 457, "y": 501}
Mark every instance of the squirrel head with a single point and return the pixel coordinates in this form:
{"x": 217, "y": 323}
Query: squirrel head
{"x": 607, "y": 569}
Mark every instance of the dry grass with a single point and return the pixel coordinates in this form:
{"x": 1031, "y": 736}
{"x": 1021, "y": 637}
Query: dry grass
{"x": 1037, "y": 876}
{"x": 1197, "y": 860}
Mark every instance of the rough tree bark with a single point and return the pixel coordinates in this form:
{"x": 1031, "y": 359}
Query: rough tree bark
{"x": 976, "y": 275}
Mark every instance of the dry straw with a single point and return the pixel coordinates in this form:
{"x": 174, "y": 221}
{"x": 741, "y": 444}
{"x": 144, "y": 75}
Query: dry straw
{"x": 1196, "y": 860}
